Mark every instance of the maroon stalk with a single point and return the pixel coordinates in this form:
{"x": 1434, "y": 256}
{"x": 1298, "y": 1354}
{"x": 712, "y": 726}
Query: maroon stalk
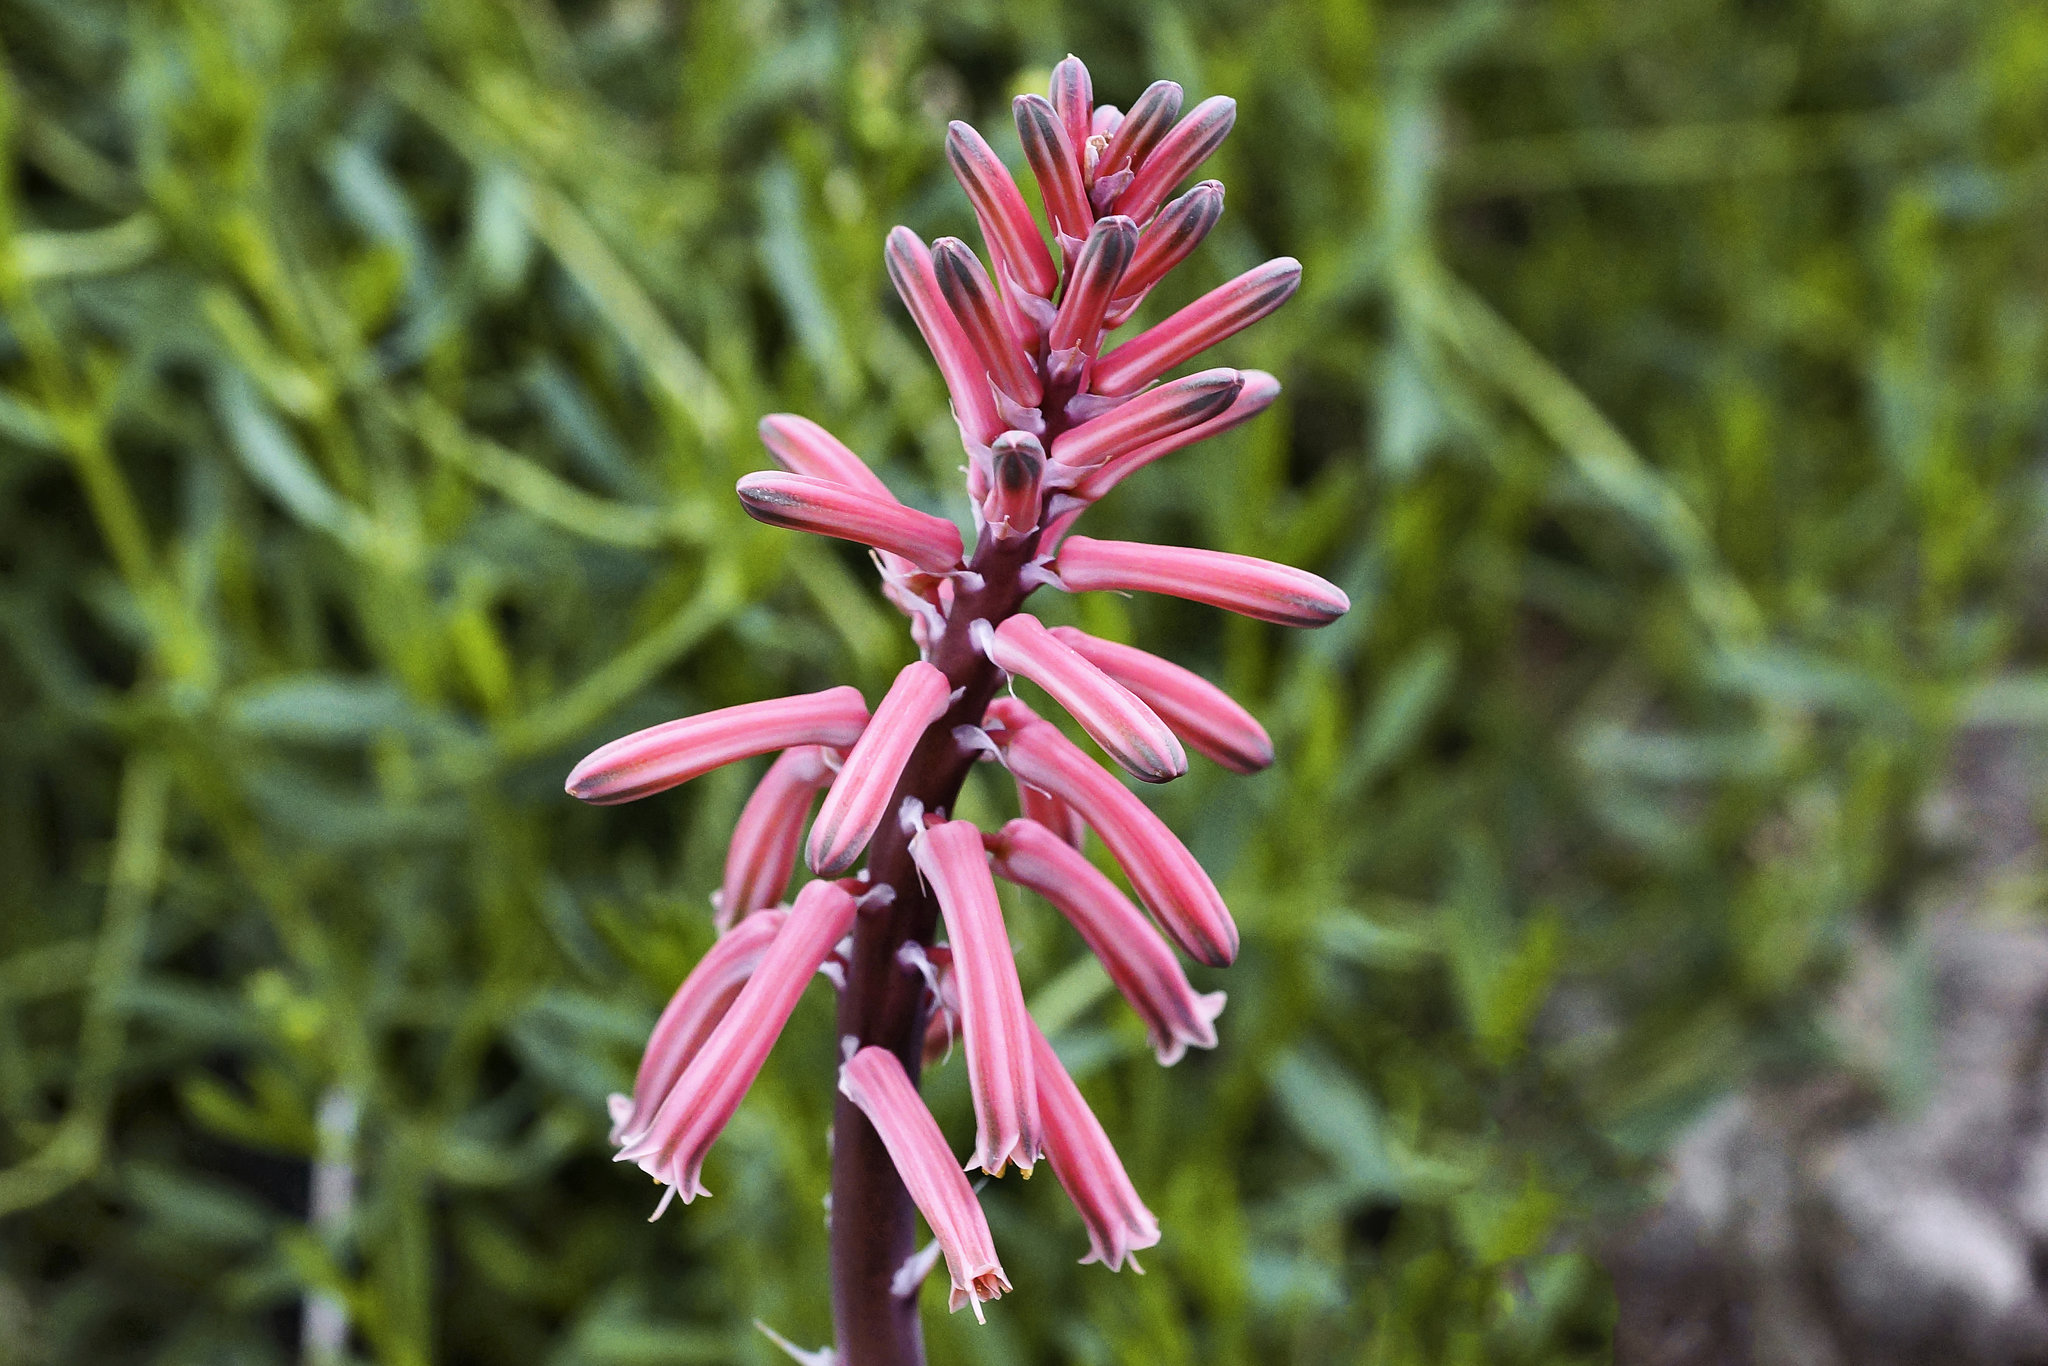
{"x": 874, "y": 1226}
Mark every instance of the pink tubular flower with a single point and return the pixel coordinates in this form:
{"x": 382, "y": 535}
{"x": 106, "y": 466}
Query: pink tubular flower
{"x": 973, "y": 300}
{"x": 801, "y": 446}
{"x": 672, "y": 1145}
{"x": 1168, "y": 880}
{"x": 661, "y": 757}
{"x": 1139, "y": 131}
{"x": 826, "y": 508}
{"x": 1049, "y": 424}
{"x": 1220, "y": 313}
{"x": 1015, "y": 493}
{"x": 1094, "y": 281}
{"x": 860, "y": 794}
{"x": 1177, "y": 156}
{"x": 1035, "y": 802}
{"x": 1052, "y": 813}
{"x": 1088, "y": 1168}
{"x": 1049, "y": 149}
{"x": 1114, "y": 718}
{"x": 1257, "y": 395}
{"x": 993, "y": 1021}
{"x": 1141, "y": 964}
{"x": 1005, "y": 221}
{"x": 1237, "y": 583}
{"x": 1166, "y": 242}
{"x": 1073, "y": 97}
{"x": 910, "y": 270}
{"x": 762, "y": 853}
{"x": 692, "y": 1013}
{"x": 1151, "y": 416}
{"x": 874, "y": 1080}
{"x": 1198, "y": 711}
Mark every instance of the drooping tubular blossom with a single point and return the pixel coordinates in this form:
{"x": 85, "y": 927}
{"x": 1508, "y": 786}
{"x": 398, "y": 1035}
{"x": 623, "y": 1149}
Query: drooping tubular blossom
{"x": 993, "y": 1022}
{"x": 1237, "y": 583}
{"x": 1220, "y": 313}
{"x": 860, "y": 794}
{"x": 874, "y": 1080}
{"x": 1049, "y": 424}
{"x": 1151, "y": 416}
{"x": 672, "y": 1145}
{"x": 661, "y": 757}
{"x": 1113, "y": 716}
{"x": 1089, "y": 1170}
{"x": 804, "y": 503}
{"x": 1165, "y": 875}
{"x": 1198, "y": 711}
{"x": 692, "y": 1013}
{"x": 1141, "y": 963}
{"x": 762, "y": 852}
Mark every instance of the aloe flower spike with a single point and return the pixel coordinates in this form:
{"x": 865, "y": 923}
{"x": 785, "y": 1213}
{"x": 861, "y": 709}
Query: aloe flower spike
{"x": 1048, "y": 424}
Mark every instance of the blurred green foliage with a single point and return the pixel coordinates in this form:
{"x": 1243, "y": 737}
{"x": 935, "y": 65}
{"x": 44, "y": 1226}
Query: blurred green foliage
{"x": 1666, "y": 387}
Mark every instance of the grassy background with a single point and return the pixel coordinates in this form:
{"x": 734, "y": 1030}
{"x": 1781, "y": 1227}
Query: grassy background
{"x": 1666, "y": 388}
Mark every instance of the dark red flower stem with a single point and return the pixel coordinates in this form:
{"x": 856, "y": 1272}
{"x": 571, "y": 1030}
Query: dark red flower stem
{"x": 873, "y": 1222}
{"x": 874, "y": 1225}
